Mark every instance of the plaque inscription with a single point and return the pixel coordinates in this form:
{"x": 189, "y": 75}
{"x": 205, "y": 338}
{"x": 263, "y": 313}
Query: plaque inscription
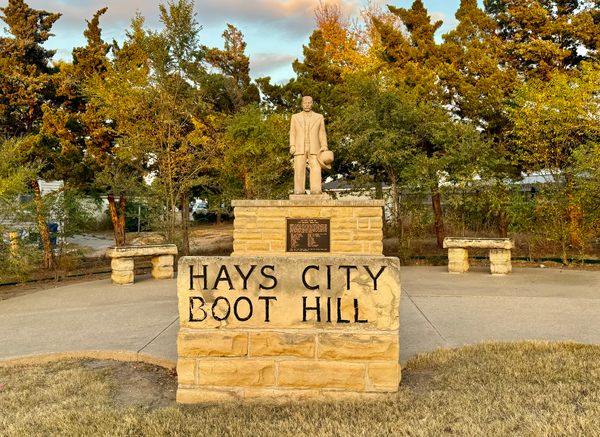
{"x": 308, "y": 235}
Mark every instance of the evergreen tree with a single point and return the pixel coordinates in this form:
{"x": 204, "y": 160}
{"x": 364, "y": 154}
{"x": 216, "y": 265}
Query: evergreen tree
{"x": 413, "y": 63}
{"x": 476, "y": 88}
{"x": 78, "y": 123}
{"x": 475, "y": 84}
{"x": 26, "y": 84}
{"x": 234, "y": 78}
{"x": 92, "y": 59}
{"x": 332, "y": 52}
{"x": 544, "y": 36}
{"x": 25, "y": 70}
{"x": 412, "y": 56}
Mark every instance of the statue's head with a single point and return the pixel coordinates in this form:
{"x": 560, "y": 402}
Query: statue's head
{"x": 307, "y": 103}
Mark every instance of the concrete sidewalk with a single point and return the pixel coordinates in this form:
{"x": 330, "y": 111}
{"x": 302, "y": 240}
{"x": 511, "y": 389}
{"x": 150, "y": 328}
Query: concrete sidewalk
{"x": 437, "y": 310}
{"x": 443, "y": 310}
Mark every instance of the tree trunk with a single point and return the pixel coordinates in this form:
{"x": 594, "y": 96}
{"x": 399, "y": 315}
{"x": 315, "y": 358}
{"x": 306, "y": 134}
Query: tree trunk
{"x": 122, "y": 202}
{"x": 248, "y": 188}
{"x": 575, "y": 218}
{"x": 185, "y": 230}
{"x": 574, "y": 215}
{"x": 396, "y": 209}
{"x": 117, "y": 217}
{"x": 114, "y": 217}
{"x": 503, "y": 224}
{"x": 378, "y": 188}
{"x": 42, "y": 225}
{"x": 436, "y": 203}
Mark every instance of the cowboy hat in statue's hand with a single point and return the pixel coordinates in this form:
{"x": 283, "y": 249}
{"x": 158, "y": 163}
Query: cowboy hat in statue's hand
{"x": 325, "y": 159}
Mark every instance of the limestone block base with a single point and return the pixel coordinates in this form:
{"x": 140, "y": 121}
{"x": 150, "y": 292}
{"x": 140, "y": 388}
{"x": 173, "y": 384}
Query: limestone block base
{"x": 207, "y": 379}
{"x": 122, "y": 277}
{"x": 163, "y": 261}
{"x": 162, "y": 267}
{"x": 309, "y": 197}
{"x": 260, "y": 225}
{"x": 458, "y": 260}
{"x": 122, "y": 264}
{"x": 287, "y": 328}
{"x": 500, "y": 263}
{"x": 198, "y": 396}
{"x": 122, "y": 271}
{"x": 163, "y": 272}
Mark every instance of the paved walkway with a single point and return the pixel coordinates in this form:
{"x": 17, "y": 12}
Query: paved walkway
{"x": 437, "y": 310}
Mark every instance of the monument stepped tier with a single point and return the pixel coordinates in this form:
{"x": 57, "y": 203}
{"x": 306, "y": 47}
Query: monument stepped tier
{"x": 284, "y": 327}
{"x": 307, "y": 306}
{"x": 304, "y": 225}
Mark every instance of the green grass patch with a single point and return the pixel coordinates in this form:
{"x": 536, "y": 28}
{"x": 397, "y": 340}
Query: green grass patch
{"x": 538, "y": 389}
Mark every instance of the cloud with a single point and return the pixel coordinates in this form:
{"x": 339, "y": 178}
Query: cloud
{"x": 75, "y": 13}
{"x": 449, "y": 23}
{"x": 436, "y": 16}
{"x": 274, "y": 29}
{"x": 292, "y": 17}
{"x": 262, "y": 64}
{"x": 295, "y": 17}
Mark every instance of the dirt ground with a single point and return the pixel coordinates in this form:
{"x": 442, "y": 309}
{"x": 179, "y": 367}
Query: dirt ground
{"x": 136, "y": 384}
{"x": 204, "y": 239}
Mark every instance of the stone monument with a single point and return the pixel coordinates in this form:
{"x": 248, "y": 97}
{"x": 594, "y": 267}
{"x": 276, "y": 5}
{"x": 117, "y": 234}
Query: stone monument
{"x": 307, "y": 306}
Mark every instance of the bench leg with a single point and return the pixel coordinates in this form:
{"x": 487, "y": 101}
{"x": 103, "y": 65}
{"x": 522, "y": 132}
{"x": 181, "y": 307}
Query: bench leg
{"x": 458, "y": 260}
{"x": 122, "y": 271}
{"x": 162, "y": 267}
{"x": 500, "y": 261}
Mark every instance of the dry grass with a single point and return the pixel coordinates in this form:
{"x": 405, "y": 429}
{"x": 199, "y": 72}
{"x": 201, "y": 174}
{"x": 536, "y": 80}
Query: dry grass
{"x": 535, "y": 389}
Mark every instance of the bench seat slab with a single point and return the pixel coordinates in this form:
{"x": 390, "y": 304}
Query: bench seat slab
{"x": 480, "y": 243}
{"x": 147, "y": 250}
{"x": 122, "y": 261}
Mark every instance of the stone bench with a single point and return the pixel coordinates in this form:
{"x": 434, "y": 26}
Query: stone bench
{"x": 458, "y": 254}
{"x": 122, "y": 265}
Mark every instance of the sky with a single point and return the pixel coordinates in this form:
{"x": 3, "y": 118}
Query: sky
{"x": 274, "y": 30}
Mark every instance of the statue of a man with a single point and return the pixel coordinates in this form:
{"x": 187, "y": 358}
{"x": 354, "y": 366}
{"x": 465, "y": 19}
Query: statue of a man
{"x": 308, "y": 142}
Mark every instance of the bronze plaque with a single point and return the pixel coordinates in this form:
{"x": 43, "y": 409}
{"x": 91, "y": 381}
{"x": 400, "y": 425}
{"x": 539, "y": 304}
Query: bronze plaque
{"x": 308, "y": 235}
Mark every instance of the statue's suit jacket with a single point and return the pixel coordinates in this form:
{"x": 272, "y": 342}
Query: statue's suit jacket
{"x": 318, "y": 137}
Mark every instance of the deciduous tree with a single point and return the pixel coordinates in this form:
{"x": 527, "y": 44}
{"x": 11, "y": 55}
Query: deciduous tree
{"x": 154, "y": 93}
{"x": 553, "y": 121}
{"x": 400, "y": 139}
{"x": 256, "y": 163}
